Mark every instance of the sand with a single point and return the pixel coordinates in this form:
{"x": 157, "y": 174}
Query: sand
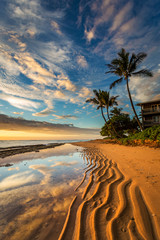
{"x": 122, "y": 197}
{"x": 118, "y": 197}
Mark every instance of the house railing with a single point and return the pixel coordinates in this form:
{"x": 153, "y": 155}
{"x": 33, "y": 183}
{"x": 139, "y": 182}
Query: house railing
{"x": 150, "y": 110}
{"x": 151, "y": 122}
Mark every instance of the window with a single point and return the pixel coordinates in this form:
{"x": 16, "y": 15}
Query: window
{"x": 156, "y": 119}
{"x": 154, "y": 108}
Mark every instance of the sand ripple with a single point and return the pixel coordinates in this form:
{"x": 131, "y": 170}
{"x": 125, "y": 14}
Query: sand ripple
{"x": 111, "y": 206}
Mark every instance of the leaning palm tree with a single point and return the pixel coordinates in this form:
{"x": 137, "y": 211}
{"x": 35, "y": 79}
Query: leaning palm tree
{"x": 125, "y": 67}
{"x": 109, "y": 101}
{"x": 97, "y": 100}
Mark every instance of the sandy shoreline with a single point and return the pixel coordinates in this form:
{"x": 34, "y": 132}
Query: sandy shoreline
{"x": 139, "y": 167}
{"x": 118, "y": 196}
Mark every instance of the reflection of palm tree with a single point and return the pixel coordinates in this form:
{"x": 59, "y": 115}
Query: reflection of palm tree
{"x": 109, "y": 101}
{"x": 98, "y": 101}
{"x": 125, "y": 67}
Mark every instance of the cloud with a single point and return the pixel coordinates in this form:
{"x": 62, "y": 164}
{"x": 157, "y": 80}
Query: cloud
{"x": 20, "y": 102}
{"x": 102, "y": 10}
{"x": 66, "y": 164}
{"x": 64, "y": 82}
{"x": 157, "y": 97}
{"x": 46, "y": 171}
{"x": 65, "y": 116}
{"x": 82, "y": 61}
{"x": 127, "y": 106}
{"x": 89, "y": 34}
{"x": 62, "y": 205}
{"x": 121, "y": 16}
{"x": 13, "y": 169}
{"x": 33, "y": 70}
{"x": 62, "y": 188}
{"x": 84, "y": 92}
{"x": 56, "y": 27}
{"x": 141, "y": 88}
{"x": 20, "y": 124}
{"x": 18, "y": 113}
{"x": 43, "y": 113}
{"x": 17, "y": 180}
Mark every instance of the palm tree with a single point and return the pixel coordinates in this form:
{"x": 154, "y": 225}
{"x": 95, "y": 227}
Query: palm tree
{"x": 116, "y": 111}
{"x": 125, "y": 67}
{"x": 98, "y": 101}
{"x": 109, "y": 101}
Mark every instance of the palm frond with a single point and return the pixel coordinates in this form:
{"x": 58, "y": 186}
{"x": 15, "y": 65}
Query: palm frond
{"x": 140, "y": 57}
{"x": 132, "y": 65}
{"x": 115, "y": 62}
{"x": 116, "y": 82}
{"x": 96, "y": 93}
{"x": 111, "y": 66}
{"x": 112, "y": 101}
{"x": 100, "y": 107}
{"x": 122, "y": 53}
{"x": 92, "y": 100}
{"x": 143, "y": 72}
{"x": 110, "y": 72}
{"x": 136, "y": 61}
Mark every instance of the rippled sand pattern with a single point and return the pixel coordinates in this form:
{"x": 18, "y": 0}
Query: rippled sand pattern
{"x": 110, "y": 207}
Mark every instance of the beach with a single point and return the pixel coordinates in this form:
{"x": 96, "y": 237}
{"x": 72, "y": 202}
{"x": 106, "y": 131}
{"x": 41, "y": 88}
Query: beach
{"x": 125, "y": 204}
{"x": 93, "y": 190}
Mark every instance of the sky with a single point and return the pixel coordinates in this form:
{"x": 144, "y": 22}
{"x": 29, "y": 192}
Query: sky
{"x": 53, "y": 54}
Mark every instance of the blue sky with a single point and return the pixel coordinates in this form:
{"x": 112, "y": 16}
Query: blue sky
{"x": 53, "y": 54}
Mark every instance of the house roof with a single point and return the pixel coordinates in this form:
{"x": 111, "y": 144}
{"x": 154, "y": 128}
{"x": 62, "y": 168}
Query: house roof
{"x": 153, "y": 101}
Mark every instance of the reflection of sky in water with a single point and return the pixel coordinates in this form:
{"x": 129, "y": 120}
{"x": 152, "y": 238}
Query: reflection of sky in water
{"x": 35, "y": 194}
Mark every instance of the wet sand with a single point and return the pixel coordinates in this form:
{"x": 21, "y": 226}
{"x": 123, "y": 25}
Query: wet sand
{"x": 117, "y": 197}
{"x": 121, "y": 199}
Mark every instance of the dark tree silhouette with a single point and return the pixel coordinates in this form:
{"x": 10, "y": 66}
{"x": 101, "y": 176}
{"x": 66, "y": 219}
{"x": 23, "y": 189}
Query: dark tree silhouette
{"x": 125, "y": 67}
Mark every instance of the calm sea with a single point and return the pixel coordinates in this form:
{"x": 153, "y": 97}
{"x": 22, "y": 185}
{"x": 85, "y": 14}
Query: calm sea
{"x": 11, "y": 143}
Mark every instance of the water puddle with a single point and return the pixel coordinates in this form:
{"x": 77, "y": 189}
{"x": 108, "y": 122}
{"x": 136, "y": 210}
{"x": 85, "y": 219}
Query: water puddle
{"x": 36, "y": 191}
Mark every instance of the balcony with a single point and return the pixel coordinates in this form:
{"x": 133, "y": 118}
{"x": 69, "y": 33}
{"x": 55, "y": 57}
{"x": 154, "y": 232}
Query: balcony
{"x": 150, "y": 111}
{"x": 150, "y": 123}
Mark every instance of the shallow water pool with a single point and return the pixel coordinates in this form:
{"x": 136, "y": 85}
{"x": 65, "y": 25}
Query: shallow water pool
{"x": 36, "y": 191}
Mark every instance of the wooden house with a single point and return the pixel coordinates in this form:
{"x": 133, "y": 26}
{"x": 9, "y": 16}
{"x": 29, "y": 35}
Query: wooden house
{"x": 150, "y": 113}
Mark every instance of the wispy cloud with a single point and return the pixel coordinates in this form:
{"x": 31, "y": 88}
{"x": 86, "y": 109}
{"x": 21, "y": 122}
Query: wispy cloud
{"x": 18, "y": 113}
{"x": 121, "y": 16}
{"x": 65, "y": 83}
{"x": 66, "y": 164}
{"x": 56, "y": 27}
{"x": 43, "y": 113}
{"x": 85, "y": 92}
{"x": 17, "y": 180}
{"x": 82, "y": 61}
{"x": 20, "y": 102}
{"x": 65, "y": 116}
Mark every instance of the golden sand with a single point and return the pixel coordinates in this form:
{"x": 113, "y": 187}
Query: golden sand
{"x": 121, "y": 199}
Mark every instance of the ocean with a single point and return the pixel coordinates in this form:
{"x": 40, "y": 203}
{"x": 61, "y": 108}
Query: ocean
{"x": 12, "y": 143}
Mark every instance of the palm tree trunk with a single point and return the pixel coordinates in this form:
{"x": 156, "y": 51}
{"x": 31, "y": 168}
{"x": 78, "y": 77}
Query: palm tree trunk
{"x": 104, "y": 119}
{"x": 112, "y": 124}
{"x": 103, "y": 115}
{"x": 133, "y": 106}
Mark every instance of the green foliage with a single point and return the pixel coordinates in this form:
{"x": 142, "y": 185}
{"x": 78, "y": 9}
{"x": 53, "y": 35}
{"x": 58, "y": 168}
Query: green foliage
{"x": 123, "y": 124}
{"x": 149, "y": 134}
